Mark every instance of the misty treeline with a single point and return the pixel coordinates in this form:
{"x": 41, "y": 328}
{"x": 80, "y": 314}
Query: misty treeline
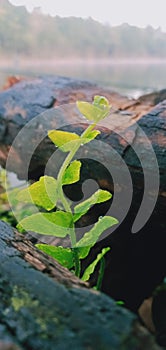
{"x": 42, "y": 36}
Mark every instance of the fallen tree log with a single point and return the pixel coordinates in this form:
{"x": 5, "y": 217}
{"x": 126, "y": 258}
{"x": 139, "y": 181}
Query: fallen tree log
{"x": 43, "y": 306}
{"x": 136, "y": 263}
{"x": 27, "y": 99}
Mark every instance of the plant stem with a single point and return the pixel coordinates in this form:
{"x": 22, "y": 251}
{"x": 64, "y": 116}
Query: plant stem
{"x": 66, "y": 164}
{"x": 63, "y": 199}
{"x": 89, "y": 128}
{"x": 101, "y": 274}
{"x": 72, "y": 154}
{"x": 77, "y": 262}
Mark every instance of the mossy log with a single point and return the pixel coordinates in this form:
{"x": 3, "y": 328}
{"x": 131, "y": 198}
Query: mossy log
{"x": 43, "y": 306}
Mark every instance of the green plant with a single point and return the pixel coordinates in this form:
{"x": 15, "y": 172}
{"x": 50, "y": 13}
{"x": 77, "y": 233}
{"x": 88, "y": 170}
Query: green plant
{"x": 9, "y": 204}
{"x": 60, "y": 218}
{"x": 5, "y": 210}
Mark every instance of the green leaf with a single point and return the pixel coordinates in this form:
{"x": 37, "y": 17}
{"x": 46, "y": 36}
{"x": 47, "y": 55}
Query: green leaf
{"x": 42, "y": 193}
{"x": 89, "y": 136}
{"x": 96, "y": 111}
{"x": 63, "y": 139}
{"x": 63, "y": 255}
{"x": 120, "y": 302}
{"x": 91, "y": 237}
{"x": 24, "y": 210}
{"x": 91, "y": 112}
{"x": 83, "y": 252}
{"x": 98, "y": 197}
{"x": 92, "y": 134}
{"x": 54, "y": 224}
{"x": 72, "y": 173}
{"x": 12, "y": 196}
{"x": 90, "y": 269}
{"x": 101, "y": 101}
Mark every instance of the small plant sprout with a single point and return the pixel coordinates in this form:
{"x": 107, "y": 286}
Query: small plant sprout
{"x": 59, "y": 218}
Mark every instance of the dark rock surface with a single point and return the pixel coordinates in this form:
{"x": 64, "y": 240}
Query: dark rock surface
{"x": 53, "y": 310}
{"x": 154, "y": 97}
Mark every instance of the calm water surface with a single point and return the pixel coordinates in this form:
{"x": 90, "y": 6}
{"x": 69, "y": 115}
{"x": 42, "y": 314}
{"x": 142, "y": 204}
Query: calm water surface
{"x": 130, "y": 79}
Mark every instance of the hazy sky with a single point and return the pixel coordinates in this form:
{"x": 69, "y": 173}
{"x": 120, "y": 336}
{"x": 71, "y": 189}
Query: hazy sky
{"x": 138, "y": 12}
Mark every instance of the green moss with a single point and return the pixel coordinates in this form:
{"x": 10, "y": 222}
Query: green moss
{"x": 21, "y": 299}
{"x": 43, "y": 317}
{"x": 42, "y": 324}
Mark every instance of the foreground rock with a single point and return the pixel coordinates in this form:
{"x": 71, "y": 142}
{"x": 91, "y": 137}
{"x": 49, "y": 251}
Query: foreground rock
{"x": 43, "y": 306}
{"x": 137, "y": 262}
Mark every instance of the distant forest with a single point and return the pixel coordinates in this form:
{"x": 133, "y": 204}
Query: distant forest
{"x": 42, "y": 36}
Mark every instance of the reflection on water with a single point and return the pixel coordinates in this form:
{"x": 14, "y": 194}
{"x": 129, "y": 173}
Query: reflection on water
{"x": 131, "y": 79}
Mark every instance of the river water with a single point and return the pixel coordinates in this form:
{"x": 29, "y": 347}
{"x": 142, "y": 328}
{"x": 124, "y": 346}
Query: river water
{"x": 132, "y": 79}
